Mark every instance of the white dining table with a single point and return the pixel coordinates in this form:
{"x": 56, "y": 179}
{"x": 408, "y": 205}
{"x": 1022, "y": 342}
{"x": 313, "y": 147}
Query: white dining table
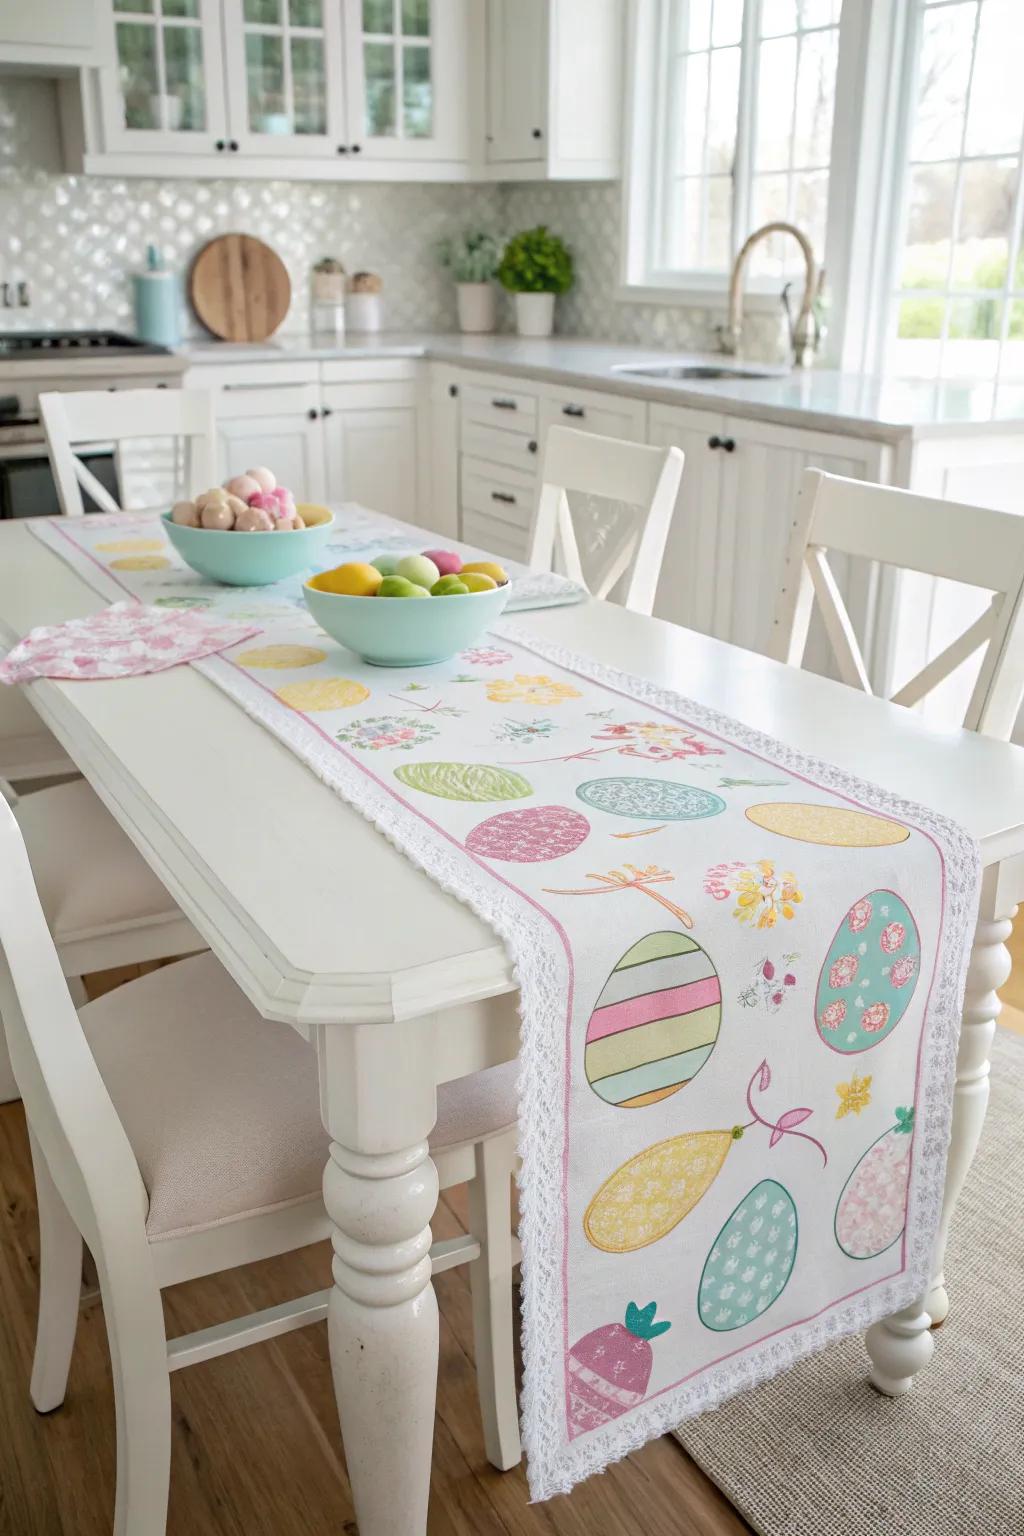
{"x": 398, "y": 987}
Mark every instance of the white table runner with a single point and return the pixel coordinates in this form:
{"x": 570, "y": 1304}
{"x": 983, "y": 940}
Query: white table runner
{"x": 741, "y": 978}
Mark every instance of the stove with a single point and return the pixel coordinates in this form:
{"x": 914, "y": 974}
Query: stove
{"x": 17, "y": 346}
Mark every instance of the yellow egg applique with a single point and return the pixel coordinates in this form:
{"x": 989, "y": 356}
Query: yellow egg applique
{"x": 281, "y": 657}
{"x": 131, "y": 547}
{"x": 318, "y": 694}
{"x": 644, "y": 1199}
{"x": 140, "y": 563}
{"x": 834, "y": 826}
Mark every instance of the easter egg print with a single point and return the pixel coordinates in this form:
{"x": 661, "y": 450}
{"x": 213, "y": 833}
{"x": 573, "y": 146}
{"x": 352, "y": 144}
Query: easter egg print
{"x": 282, "y": 657}
{"x": 650, "y": 799}
{"x": 655, "y": 1023}
{"x": 833, "y": 825}
{"x": 609, "y": 1369}
{"x": 529, "y": 836}
{"x": 869, "y": 975}
{"x": 644, "y": 1199}
{"x": 140, "y": 563}
{"x": 464, "y": 781}
{"x": 182, "y": 602}
{"x": 131, "y": 546}
{"x": 751, "y": 1259}
{"x": 872, "y": 1209}
{"x": 318, "y": 694}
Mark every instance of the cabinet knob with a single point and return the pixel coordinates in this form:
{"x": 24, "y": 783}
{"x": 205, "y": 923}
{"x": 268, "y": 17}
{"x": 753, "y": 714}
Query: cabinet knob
{"x": 328, "y": 410}
{"x": 531, "y": 446}
{"x": 219, "y": 144}
{"x": 537, "y": 133}
{"x": 503, "y": 496}
{"x": 342, "y": 149}
{"x": 573, "y": 410}
{"x": 501, "y": 404}
{"x": 453, "y": 390}
{"x": 312, "y": 413}
{"x": 728, "y": 443}
{"x": 357, "y": 149}
{"x": 233, "y": 144}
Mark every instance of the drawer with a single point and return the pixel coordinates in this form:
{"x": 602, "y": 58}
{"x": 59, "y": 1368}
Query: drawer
{"x": 589, "y": 411}
{"x": 495, "y": 445}
{"x": 499, "y": 407}
{"x": 494, "y": 491}
{"x": 493, "y": 537}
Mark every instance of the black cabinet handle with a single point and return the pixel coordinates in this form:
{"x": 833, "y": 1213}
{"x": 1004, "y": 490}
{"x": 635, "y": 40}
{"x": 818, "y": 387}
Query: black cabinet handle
{"x": 538, "y": 133}
{"x": 728, "y": 443}
{"x": 357, "y": 149}
{"x": 219, "y": 144}
{"x": 233, "y": 144}
{"x": 503, "y": 496}
{"x": 342, "y": 149}
{"x": 505, "y": 405}
{"x": 573, "y": 410}
{"x": 328, "y": 410}
{"x": 313, "y": 413}
{"x": 531, "y": 446}
{"x": 453, "y": 390}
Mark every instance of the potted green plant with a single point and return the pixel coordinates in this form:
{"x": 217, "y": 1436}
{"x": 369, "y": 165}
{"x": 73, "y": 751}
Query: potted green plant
{"x": 472, "y": 259}
{"x": 535, "y": 266}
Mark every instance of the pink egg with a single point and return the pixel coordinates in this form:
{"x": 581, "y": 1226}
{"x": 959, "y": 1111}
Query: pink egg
{"x": 265, "y": 478}
{"x": 446, "y": 560}
{"x": 184, "y": 513}
{"x": 217, "y": 514}
{"x": 243, "y": 486}
{"x": 531, "y": 836}
{"x": 266, "y": 501}
{"x": 253, "y": 520}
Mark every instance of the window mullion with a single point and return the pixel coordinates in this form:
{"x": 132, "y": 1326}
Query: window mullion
{"x": 1013, "y": 255}
{"x": 743, "y": 159}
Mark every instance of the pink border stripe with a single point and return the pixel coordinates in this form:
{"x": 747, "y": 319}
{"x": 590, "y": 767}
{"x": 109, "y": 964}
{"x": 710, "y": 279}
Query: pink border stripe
{"x": 651, "y": 1006}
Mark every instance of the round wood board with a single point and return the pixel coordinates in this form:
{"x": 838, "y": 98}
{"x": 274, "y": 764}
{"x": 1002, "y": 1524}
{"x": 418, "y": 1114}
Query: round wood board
{"x": 239, "y": 288}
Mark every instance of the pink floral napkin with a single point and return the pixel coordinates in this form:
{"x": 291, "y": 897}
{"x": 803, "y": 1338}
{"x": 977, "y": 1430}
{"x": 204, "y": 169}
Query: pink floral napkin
{"x": 123, "y": 641}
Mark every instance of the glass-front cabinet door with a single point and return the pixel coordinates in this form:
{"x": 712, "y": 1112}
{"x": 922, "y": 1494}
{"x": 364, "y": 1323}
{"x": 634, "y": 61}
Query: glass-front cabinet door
{"x": 285, "y": 76}
{"x": 406, "y": 65}
{"x": 163, "y": 87}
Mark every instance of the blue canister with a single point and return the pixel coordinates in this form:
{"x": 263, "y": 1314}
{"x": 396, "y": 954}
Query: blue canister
{"x": 157, "y": 302}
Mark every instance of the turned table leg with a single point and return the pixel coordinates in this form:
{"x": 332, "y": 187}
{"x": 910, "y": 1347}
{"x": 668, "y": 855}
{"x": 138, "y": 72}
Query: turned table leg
{"x": 902, "y": 1345}
{"x": 380, "y": 1188}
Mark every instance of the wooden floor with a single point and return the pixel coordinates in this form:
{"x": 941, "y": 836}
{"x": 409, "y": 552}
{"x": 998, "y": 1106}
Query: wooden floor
{"x": 256, "y": 1448}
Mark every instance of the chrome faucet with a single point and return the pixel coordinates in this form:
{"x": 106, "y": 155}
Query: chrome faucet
{"x": 803, "y": 334}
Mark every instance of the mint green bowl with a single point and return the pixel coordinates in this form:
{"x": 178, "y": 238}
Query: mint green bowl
{"x": 253, "y": 559}
{"x": 405, "y": 631}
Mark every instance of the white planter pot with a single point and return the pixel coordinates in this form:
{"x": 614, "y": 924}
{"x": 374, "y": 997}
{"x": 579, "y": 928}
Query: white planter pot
{"x": 476, "y": 307}
{"x": 363, "y": 311}
{"x": 535, "y": 314}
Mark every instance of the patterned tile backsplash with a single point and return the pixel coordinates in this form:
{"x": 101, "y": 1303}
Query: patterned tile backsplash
{"x": 75, "y": 239}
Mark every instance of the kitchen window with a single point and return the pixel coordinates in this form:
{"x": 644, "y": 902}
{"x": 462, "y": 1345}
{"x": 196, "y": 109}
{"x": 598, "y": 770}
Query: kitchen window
{"x": 957, "y": 305}
{"x": 731, "y": 128}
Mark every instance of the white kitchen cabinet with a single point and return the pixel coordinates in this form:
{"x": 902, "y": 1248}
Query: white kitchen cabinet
{"x": 589, "y": 410}
{"x": 285, "y": 77}
{"x": 408, "y": 79}
{"x": 440, "y": 440}
{"x": 554, "y": 89}
{"x": 276, "y": 427}
{"x": 161, "y": 89}
{"x": 50, "y": 34}
{"x": 726, "y": 547}
{"x": 370, "y": 446}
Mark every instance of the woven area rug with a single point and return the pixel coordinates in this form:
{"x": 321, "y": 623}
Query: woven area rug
{"x": 816, "y": 1452}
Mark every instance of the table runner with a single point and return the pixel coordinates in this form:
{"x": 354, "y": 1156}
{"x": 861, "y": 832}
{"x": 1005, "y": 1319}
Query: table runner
{"x": 741, "y": 976}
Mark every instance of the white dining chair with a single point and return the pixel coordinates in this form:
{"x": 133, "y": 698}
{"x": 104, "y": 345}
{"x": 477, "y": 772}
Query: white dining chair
{"x": 178, "y": 1133}
{"x": 645, "y": 480}
{"x": 183, "y": 418}
{"x": 975, "y": 546}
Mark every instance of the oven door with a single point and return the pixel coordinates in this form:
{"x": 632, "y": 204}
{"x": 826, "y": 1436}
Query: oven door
{"x": 27, "y": 488}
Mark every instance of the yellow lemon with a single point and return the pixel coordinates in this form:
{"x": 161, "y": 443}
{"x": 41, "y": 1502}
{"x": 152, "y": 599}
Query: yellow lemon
{"x": 281, "y": 656}
{"x": 477, "y": 581}
{"x": 353, "y": 579}
{"x": 317, "y": 694}
{"x": 489, "y": 568}
{"x": 140, "y": 563}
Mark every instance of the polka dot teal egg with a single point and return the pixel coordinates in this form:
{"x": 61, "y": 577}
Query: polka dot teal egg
{"x": 751, "y": 1259}
{"x": 870, "y": 974}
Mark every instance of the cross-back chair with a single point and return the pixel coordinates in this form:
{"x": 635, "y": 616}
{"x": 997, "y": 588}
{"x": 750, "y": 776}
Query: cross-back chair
{"x": 178, "y": 1133}
{"x": 631, "y": 473}
{"x": 976, "y": 546}
{"x": 79, "y": 418}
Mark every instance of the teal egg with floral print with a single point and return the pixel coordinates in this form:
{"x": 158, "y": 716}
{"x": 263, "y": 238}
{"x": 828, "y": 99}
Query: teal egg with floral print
{"x": 751, "y": 1259}
{"x": 870, "y": 974}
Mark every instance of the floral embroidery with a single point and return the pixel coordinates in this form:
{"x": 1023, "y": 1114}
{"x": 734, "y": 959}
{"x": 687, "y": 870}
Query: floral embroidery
{"x": 834, "y": 1014}
{"x": 517, "y": 731}
{"x": 437, "y": 708}
{"x": 487, "y": 656}
{"x": 762, "y": 896}
{"x": 874, "y": 1018}
{"x": 860, "y": 915}
{"x": 656, "y": 741}
{"x": 892, "y": 937}
{"x": 902, "y": 970}
{"x": 523, "y": 689}
{"x": 853, "y": 1096}
{"x": 843, "y": 972}
{"x": 767, "y": 989}
{"x": 386, "y": 731}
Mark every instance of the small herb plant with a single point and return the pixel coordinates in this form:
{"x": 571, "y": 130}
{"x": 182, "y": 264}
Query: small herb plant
{"x": 471, "y": 257}
{"x": 536, "y": 261}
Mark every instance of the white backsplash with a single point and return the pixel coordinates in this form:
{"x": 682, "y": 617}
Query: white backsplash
{"x": 75, "y": 239}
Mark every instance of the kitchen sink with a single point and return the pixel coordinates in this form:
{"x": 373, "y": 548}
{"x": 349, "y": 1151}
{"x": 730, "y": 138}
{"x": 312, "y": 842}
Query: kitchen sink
{"x": 696, "y": 371}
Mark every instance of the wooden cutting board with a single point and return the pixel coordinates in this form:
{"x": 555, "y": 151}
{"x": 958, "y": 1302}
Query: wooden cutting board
{"x": 239, "y": 288}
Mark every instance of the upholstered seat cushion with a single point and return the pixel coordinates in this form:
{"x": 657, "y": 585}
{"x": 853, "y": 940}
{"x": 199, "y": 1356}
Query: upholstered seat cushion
{"x": 89, "y": 877}
{"x": 221, "y": 1106}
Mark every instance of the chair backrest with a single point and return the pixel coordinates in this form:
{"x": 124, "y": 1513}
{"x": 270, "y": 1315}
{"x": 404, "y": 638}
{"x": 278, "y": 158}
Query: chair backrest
{"x": 630, "y": 473}
{"x": 77, "y": 418}
{"x": 69, "y": 1110}
{"x": 974, "y": 546}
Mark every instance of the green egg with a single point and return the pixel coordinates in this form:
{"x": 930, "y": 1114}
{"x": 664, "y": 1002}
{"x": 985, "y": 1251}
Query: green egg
{"x": 386, "y": 564}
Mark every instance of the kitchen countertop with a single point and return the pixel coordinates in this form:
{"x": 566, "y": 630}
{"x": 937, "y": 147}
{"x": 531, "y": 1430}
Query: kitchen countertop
{"x": 855, "y": 404}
